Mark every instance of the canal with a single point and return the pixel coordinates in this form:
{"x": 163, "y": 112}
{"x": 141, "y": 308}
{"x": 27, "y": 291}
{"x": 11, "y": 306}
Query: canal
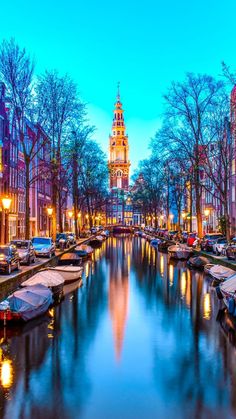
{"x": 143, "y": 338}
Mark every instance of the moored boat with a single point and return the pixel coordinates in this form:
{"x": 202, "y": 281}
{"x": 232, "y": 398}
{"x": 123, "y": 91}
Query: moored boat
{"x": 84, "y": 250}
{"x": 69, "y": 273}
{"x": 179, "y": 251}
{"x": 164, "y": 244}
{"x": 227, "y": 291}
{"x": 96, "y": 242}
{"x": 220, "y": 272}
{"x": 70, "y": 258}
{"x": 197, "y": 262}
{"x": 50, "y": 279}
{"x": 155, "y": 242}
{"x": 26, "y": 304}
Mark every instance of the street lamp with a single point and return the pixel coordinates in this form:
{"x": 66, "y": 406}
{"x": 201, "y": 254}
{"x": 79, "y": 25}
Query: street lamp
{"x": 171, "y": 221}
{"x": 6, "y": 203}
{"x": 162, "y": 218}
{"x": 184, "y": 215}
{"x": 70, "y": 215}
{"x": 50, "y": 212}
{"x": 207, "y": 213}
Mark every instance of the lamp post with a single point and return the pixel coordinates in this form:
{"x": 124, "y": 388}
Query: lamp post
{"x": 184, "y": 215}
{"x": 6, "y": 203}
{"x": 171, "y": 221}
{"x": 161, "y": 218}
{"x": 207, "y": 213}
{"x": 79, "y": 221}
{"x": 50, "y": 212}
{"x": 70, "y": 215}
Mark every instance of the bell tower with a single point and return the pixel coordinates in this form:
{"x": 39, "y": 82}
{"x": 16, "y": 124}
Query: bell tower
{"x": 119, "y": 163}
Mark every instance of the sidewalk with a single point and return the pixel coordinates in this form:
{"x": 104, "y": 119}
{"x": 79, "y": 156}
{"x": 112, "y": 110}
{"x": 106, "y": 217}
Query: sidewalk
{"x": 9, "y": 283}
{"x": 221, "y": 260}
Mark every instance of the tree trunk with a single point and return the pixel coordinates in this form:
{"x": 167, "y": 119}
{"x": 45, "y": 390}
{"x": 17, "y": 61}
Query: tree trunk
{"x": 227, "y": 220}
{"x": 27, "y": 192}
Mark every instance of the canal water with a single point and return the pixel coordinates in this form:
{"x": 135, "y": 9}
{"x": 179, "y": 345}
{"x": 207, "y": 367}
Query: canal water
{"x": 143, "y": 338}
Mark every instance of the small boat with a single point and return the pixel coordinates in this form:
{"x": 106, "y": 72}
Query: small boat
{"x": 221, "y": 272}
{"x": 84, "y": 250}
{"x": 155, "y": 242}
{"x": 207, "y": 268}
{"x": 69, "y": 273}
{"x": 96, "y": 242}
{"x": 179, "y": 251}
{"x": 227, "y": 291}
{"x": 49, "y": 278}
{"x": 26, "y": 304}
{"x": 164, "y": 244}
{"x": 70, "y": 258}
{"x": 228, "y": 325}
{"x": 197, "y": 262}
{"x": 105, "y": 234}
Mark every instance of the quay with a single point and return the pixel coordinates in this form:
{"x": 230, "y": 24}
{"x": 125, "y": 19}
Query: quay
{"x": 9, "y": 283}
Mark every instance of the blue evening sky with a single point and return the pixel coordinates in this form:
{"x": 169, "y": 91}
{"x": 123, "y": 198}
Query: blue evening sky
{"x": 143, "y": 44}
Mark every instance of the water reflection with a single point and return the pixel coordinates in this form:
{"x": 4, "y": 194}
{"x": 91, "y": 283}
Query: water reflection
{"x": 139, "y": 339}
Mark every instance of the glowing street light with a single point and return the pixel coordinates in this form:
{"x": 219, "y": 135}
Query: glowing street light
{"x": 207, "y": 213}
{"x": 6, "y": 203}
{"x": 50, "y": 212}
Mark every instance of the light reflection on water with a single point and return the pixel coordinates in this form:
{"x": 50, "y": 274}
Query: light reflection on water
{"x": 143, "y": 338}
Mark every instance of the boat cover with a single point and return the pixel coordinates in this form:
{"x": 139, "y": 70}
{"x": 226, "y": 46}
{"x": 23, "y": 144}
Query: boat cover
{"x": 230, "y": 284}
{"x": 31, "y": 301}
{"x": 198, "y": 261}
{"x": 47, "y": 277}
{"x": 221, "y": 272}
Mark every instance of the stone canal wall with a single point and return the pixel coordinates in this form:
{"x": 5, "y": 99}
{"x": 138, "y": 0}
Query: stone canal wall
{"x": 9, "y": 284}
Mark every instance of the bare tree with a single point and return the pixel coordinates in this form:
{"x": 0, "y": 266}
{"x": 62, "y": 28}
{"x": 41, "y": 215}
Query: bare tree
{"x": 58, "y": 104}
{"x": 16, "y": 69}
{"x": 187, "y": 124}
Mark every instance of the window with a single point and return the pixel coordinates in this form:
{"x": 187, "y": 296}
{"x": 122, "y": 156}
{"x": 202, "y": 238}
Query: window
{"x": 233, "y": 193}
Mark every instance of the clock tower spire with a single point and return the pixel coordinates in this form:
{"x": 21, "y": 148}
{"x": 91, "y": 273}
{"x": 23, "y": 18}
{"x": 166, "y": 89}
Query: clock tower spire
{"x": 119, "y": 163}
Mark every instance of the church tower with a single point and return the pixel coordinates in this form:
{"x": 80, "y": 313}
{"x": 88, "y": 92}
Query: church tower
{"x": 119, "y": 163}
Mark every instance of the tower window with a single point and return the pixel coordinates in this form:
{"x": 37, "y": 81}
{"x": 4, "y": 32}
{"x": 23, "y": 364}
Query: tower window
{"x": 118, "y": 132}
{"x": 114, "y": 133}
{"x": 118, "y": 116}
{"x": 119, "y": 173}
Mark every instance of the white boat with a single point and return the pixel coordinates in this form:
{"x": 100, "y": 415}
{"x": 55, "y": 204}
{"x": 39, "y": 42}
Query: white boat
{"x": 207, "y": 268}
{"x": 179, "y": 251}
{"x": 227, "y": 291}
{"x": 221, "y": 272}
{"x": 49, "y": 278}
{"x": 69, "y": 273}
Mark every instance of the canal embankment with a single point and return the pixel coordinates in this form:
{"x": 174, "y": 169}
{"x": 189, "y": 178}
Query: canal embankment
{"x": 9, "y": 283}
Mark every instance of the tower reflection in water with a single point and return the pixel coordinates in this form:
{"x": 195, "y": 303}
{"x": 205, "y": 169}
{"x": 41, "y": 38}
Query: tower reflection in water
{"x": 119, "y": 289}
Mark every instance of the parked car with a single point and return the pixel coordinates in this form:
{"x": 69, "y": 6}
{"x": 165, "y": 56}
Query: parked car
{"x": 44, "y": 246}
{"x": 185, "y": 236}
{"x": 219, "y": 246}
{"x": 26, "y": 251}
{"x": 209, "y": 240}
{"x": 172, "y": 233}
{"x": 62, "y": 240}
{"x": 231, "y": 249}
{"x": 191, "y": 238}
{"x": 9, "y": 259}
{"x": 71, "y": 238}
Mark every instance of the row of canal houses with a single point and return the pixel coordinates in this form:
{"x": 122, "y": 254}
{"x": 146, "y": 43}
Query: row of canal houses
{"x": 12, "y": 176}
